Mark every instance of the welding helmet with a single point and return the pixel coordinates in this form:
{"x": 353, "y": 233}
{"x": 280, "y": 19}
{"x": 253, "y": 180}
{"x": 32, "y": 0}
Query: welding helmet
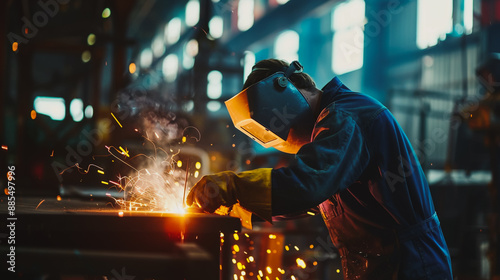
{"x": 273, "y": 112}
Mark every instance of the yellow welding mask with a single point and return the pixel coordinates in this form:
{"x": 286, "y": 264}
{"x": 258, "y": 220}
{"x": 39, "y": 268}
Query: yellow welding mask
{"x": 273, "y": 112}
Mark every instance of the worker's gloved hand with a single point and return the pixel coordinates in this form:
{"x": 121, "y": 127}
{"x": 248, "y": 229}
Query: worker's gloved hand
{"x": 251, "y": 189}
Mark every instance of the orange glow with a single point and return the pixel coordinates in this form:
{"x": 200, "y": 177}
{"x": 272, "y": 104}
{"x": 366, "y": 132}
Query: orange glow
{"x": 5, "y": 147}
{"x": 236, "y": 236}
{"x": 213, "y": 158}
{"x": 52, "y": 154}
{"x": 14, "y": 46}
{"x": 301, "y": 263}
{"x": 120, "y": 214}
{"x": 311, "y": 246}
{"x": 269, "y": 270}
{"x": 248, "y": 162}
{"x": 33, "y": 114}
{"x": 315, "y": 263}
{"x": 272, "y": 236}
{"x": 132, "y": 68}
{"x": 58, "y": 198}
{"x": 26, "y": 30}
{"x": 6, "y": 191}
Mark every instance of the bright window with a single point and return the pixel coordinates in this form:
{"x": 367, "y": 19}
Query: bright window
{"x": 248, "y": 63}
{"x": 214, "y": 87}
{"x": 192, "y": 12}
{"x": 286, "y": 46}
{"x": 213, "y": 106}
{"x": 170, "y": 67}
{"x": 348, "y": 19}
{"x": 190, "y": 51}
{"x": 146, "y": 58}
{"x": 173, "y": 31}
{"x": 245, "y": 14}
{"x": 158, "y": 46}
{"x": 76, "y": 109}
{"x": 434, "y": 21}
{"x": 468, "y": 16}
{"x": 89, "y": 111}
{"x": 54, "y": 107}
{"x": 216, "y": 27}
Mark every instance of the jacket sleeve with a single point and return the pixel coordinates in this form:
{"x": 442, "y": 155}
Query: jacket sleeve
{"x": 334, "y": 160}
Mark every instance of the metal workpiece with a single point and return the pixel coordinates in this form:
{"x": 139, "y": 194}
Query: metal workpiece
{"x": 91, "y": 239}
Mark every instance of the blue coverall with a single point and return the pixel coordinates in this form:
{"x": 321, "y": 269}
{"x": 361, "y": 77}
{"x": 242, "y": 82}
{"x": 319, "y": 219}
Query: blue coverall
{"x": 361, "y": 170}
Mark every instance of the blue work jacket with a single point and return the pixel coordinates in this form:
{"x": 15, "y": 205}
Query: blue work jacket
{"x": 361, "y": 172}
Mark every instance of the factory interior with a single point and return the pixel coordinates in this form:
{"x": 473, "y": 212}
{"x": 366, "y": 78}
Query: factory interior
{"x": 112, "y": 110}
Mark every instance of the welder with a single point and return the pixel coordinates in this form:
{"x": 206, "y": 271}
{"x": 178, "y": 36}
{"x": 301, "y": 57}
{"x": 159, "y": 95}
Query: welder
{"x": 353, "y": 164}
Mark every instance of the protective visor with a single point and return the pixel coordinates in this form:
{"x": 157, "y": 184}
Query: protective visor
{"x": 267, "y": 111}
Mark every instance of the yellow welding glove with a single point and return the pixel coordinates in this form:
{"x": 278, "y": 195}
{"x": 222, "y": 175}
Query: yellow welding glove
{"x": 251, "y": 189}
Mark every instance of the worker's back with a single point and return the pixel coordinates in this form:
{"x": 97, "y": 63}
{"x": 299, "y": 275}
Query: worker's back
{"x": 384, "y": 223}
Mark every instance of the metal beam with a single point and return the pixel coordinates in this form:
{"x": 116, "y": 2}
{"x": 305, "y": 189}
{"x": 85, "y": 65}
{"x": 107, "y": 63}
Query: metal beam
{"x": 276, "y": 20}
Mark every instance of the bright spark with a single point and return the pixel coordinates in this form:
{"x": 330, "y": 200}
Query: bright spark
{"x": 301, "y": 263}
{"x": 39, "y": 204}
{"x": 124, "y": 151}
{"x": 117, "y": 120}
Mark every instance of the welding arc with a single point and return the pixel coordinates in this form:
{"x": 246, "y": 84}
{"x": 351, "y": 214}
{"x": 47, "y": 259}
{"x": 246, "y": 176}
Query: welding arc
{"x": 185, "y": 183}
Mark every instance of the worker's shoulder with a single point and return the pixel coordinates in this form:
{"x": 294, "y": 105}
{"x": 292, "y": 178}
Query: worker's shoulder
{"x": 362, "y": 108}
